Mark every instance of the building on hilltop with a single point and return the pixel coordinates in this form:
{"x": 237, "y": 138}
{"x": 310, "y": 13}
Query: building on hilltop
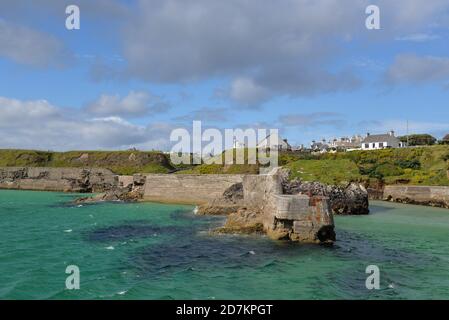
{"x": 346, "y": 144}
{"x": 320, "y": 146}
{"x": 337, "y": 144}
{"x": 445, "y": 139}
{"x": 381, "y": 141}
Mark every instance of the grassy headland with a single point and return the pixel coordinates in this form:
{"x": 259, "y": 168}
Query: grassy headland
{"x": 337, "y": 171}
{"x": 414, "y": 166}
{"x": 120, "y": 162}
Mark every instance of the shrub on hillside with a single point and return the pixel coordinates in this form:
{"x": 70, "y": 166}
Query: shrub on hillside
{"x": 419, "y": 140}
{"x": 409, "y": 164}
{"x": 388, "y": 170}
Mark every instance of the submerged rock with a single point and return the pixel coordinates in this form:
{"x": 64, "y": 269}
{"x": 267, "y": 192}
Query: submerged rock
{"x": 129, "y": 192}
{"x": 243, "y": 221}
{"x": 351, "y": 199}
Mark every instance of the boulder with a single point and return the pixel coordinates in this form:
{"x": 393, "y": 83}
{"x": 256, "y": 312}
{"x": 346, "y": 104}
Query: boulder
{"x": 127, "y": 190}
{"x": 243, "y": 221}
{"x": 229, "y": 202}
{"x": 351, "y": 199}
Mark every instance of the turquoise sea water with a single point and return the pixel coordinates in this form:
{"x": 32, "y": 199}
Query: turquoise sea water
{"x": 154, "y": 251}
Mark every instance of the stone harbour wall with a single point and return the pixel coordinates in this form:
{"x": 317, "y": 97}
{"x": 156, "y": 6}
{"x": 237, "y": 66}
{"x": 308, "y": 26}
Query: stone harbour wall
{"x": 289, "y": 217}
{"x": 187, "y": 188}
{"x": 436, "y": 196}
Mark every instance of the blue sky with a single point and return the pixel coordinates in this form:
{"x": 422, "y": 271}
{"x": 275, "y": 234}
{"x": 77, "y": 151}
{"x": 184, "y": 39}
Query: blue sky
{"x": 138, "y": 69}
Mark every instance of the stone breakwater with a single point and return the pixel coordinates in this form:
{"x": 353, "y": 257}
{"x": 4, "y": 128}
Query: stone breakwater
{"x": 258, "y": 204}
{"x": 289, "y": 217}
{"x": 188, "y": 188}
{"x": 57, "y": 179}
{"x": 435, "y": 196}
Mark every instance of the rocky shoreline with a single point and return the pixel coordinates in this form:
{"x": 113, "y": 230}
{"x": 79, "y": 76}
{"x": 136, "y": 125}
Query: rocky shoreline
{"x": 82, "y": 180}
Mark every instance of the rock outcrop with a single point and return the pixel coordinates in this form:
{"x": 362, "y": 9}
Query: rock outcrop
{"x": 57, "y": 179}
{"x": 129, "y": 189}
{"x": 229, "y": 202}
{"x": 243, "y": 221}
{"x": 351, "y": 199}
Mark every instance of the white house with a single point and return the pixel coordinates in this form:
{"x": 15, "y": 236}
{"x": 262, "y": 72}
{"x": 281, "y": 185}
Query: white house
{"x": 274, "y": 141}
{"x": 381, "y": 141}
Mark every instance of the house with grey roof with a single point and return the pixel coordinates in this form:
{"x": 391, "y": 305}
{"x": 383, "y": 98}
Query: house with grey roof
{"x": 381, "y": 141}
{"x": 320, "y": 146}
{"x": 346, "y": 143}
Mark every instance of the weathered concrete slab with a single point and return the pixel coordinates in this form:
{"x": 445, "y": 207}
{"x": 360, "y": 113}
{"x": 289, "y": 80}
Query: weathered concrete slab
{"x": 292, "y": 207}
{"x": 187, "y": 188}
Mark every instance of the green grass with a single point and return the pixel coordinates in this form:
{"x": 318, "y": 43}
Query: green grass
{"x": 222, "y": 169}
{"x": 339, "y": 171}
{"x": 120, "y": 162}
{"x": 414, "y": 166}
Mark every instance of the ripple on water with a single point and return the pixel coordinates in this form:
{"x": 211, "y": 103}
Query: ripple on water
{"x": 130, "y": 230}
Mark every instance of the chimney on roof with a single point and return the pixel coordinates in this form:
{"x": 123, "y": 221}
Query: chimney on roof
{"x": 392, "y": 133}
{"x": 368, "y": 134}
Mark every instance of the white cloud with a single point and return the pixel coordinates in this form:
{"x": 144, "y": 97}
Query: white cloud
{"x": 135, "y": 104}
{"x": 27, "y": 46}
{"x": 246, "y": 92}
{"x": 40, "y": 125}
{"x": 15, "y": 111}
{"x": 265, "y": 48}
{"x": 410, "y": 68}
